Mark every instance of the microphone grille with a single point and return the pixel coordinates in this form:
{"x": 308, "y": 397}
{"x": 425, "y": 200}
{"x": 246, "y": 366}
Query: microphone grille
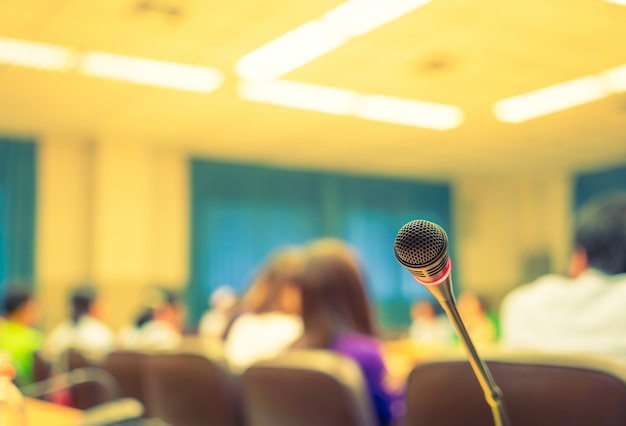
{"x": 420, "y": 242}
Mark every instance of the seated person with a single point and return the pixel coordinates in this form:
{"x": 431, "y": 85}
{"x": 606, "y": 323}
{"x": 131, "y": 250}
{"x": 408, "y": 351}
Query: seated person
{"x": 83, "y": 331}
{"x": 337, "y": 316}
{"x": 158, "y": 326}
{"x": 584, "y": 312}
{"x": 269, "y": 321}
{"x": 17, "y": 335}
{"x": 481, "y": 323}
{"x": 216, "y": 321}
{"x": 428, "y": 328}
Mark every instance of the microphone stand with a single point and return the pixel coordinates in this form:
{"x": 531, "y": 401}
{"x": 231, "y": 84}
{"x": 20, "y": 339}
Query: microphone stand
{"x": 493, "y": 395}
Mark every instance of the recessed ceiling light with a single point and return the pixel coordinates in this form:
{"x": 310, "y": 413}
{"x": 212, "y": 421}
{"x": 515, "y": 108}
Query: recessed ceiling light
{"x": 410, "y": 112}
{"x": 151, "y": 72}
{"x": 300, "y": 95}
{"x": 561, "y": 96}
{"x": 320, "y": 36}
{"x": 35, "y": 55}
{"x": 346, "y": 102}
{"x": 551, "y": 99}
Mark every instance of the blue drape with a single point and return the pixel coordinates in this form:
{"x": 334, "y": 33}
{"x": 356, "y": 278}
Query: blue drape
{"x": 17, "y": 209}
{"x": 593, "y": 184}
{"x": 242, "y": 213}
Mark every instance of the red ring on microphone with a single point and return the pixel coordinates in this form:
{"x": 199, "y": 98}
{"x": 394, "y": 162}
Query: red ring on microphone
{"x": 445, "y": 276}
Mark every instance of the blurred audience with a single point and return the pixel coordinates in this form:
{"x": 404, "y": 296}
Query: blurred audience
{"x": 222, "y": 307}
{"x": 84, "y": 330}
{"x": 18, "y": 336}
{"x": 584, "y": 312}
{"x": 337, "y": 316}
{"x": 481, "y": 322}
{"x": 159, "y": 324}
{"x": 269, "y": 321}
{"x": 429, "y": 327}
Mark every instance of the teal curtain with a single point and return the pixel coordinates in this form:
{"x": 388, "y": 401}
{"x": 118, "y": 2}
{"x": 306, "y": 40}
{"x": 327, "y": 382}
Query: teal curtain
{"x": 242, "y": 213}
{"x": 601, "y": 182}
{"x": 17, "y": 209}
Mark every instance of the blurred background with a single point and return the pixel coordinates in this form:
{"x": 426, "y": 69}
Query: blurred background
{"x": 178, "y": 142}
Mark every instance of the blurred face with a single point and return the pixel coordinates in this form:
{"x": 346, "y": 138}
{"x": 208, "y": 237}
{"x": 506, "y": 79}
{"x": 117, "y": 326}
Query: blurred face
{"x": 29, "y": 313}
{"x": 291, "y": 300}
{"x": 172, "y": 314}
{"x": 423, "y": 310}
{"x": 96, "y": 309}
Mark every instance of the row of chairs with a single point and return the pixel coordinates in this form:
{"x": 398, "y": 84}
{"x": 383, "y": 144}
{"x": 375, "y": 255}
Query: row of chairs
{"x": 319, "y": 388}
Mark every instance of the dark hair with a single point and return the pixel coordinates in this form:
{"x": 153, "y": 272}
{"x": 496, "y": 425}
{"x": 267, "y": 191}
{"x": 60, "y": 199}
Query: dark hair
{"x": 154, "y": 299}
{"x": 334, "y": 298}
{"x": 144, "y": 317}
{"x": 601, "y": 233}
{"x": 280, "y": 269}
{"x": 82, "y": 299}
{"x": 15, "y": 298}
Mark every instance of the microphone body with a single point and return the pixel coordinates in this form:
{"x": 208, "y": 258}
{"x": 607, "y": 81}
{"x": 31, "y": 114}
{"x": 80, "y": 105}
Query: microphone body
{"x": 422, "y": 248}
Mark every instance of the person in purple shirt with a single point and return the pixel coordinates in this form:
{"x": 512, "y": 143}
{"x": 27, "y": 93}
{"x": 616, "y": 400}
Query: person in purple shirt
{"x": 337, "y": 316}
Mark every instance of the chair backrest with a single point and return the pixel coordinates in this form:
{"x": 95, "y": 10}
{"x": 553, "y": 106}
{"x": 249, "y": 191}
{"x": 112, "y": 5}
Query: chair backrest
{"x": 191, "y": 389}
{"x": 127, "y": 368}
{"x": 306, "y": 388}
{"x": 538, "y": 390}
{"x": 84, "y": 395}
{"x": 42, "y": 368}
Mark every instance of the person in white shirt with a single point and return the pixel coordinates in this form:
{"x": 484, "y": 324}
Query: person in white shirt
{"x": 84, "y": 330}
{"x": 215, "y": 322}
{"x": 158, "y": 326}
{"x": 583, "y": 313}
{"x": 270, "y": 321}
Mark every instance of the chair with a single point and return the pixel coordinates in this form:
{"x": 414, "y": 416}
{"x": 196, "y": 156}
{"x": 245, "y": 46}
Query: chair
{"x": 538, "y": 390}
{"x": 191, "y": 389}
{"x": 127, "y": 368}
{"x": 42, "y": 369}
{"x": 306, "y": 388}
{"x": 89, "y": 394}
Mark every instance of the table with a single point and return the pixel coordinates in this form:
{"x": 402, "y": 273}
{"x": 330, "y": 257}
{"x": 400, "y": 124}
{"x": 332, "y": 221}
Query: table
{"x": 42, "y": 413}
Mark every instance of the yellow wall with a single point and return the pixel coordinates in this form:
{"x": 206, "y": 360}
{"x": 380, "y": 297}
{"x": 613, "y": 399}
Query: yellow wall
{"x": 502, "y": 220}
{"x": 113, "y": 212}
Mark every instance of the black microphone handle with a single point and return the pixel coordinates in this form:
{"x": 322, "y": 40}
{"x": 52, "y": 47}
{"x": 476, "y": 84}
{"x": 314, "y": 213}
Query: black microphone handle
{"x": 493, "y": 395}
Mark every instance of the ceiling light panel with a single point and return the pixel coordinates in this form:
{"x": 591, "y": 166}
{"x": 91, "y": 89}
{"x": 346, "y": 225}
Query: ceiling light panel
{"x": 561, "y": 96}
{"x": 320, "y": 36}
{"x": 151, "y": 72}
{"x": 35, "y": 55}
{"x": 346, "y": 102}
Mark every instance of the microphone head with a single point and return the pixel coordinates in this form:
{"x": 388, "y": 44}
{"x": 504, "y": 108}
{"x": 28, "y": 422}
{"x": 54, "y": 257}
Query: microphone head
{"x": 422, "y": 247}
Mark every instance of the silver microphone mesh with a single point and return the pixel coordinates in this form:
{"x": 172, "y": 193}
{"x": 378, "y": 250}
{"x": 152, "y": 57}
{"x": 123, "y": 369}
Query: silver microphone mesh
{"x": 422, "y": 246}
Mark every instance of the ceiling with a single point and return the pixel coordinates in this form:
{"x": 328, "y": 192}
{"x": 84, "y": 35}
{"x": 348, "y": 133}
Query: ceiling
{"x": 465, "y": 53}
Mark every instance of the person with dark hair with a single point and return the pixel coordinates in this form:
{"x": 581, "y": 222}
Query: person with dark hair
{"x": 269, "y": 322}
{"x": 18, "y": 336}
{"x": 337, "y": 316}
{"x": 83, "y": 330}
{"x": 585, "y": 312}
{"x": 159, "y": 324}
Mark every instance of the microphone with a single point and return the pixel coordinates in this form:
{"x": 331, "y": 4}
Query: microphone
{"x": 422, "y": 248}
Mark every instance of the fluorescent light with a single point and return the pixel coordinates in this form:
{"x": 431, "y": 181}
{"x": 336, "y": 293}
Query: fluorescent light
{"x": 151, "y": 72}
{"x": 288, "y": 52}
{"x": 34, "y": 55}
{"x": 346, "y": 102}
{"x": 620, "y": 2}
{"x": 357, "y": 17}
{"x": 300, "y": 95}
{"x": 320, "y": 36}
{"x": 551, "y": 99}
{"x": 410, "y": 112}
{"x": 617, "y": 78}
